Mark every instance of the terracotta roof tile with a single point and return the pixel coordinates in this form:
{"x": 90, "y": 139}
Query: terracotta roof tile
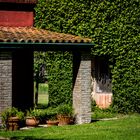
{"x": 34, "y": 35}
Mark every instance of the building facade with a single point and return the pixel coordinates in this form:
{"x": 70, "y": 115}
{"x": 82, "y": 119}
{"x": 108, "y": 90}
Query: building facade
{"x": 19, "y": 39}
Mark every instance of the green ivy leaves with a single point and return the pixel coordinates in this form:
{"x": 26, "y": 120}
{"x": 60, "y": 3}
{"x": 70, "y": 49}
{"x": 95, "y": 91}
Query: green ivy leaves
{"x": 115, "y": 29}
{"x": 59, "y": 65}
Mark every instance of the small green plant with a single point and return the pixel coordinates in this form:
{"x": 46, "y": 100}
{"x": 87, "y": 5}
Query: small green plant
{"x": 99, "y": 113}
{"x": 52, "y": 117}
{"x": 51, "y": 113}
{"x": 65, "y": 114}
{"x": 39, "y": 114}
{"x": 65, "y": 109}
{"x": 33, "y": 117}
{"x": 34, "y": 113}
{"x": 11, "y": 112}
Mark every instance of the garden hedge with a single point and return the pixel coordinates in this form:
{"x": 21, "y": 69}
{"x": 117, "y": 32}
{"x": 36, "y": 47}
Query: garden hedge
{"x": 114, "y": 26}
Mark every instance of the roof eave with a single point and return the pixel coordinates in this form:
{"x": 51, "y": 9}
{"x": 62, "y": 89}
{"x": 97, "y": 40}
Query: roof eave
{"x": 46, "y": 46}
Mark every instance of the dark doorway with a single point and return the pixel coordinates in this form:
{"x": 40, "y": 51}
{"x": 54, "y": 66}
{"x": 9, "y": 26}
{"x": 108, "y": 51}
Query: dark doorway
{"x": 102, "y": 75}
{"x": 22, "y": 78}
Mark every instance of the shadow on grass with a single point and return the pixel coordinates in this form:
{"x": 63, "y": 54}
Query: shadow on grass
{"x": 30, "y": 138}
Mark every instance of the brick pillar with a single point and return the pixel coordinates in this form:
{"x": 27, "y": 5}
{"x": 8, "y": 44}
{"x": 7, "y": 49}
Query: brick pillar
{"x": 5, "y": 80}
{"x": 82, "y": 88}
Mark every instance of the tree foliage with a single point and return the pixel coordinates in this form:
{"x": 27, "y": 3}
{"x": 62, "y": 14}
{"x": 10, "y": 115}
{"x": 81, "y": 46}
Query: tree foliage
{"x": 114, "y": 26}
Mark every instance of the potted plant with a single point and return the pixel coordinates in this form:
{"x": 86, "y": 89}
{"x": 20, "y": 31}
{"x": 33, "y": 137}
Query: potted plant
{"x": 12, "y": 118}
{"x": 65, "y": 113}
{"x": 52, "y": 117}
{"x": 32, "y": 117}
{"x": 52, "y": 121}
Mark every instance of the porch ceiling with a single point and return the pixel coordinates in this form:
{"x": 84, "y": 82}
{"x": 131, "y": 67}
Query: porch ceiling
{"x": 33, "y": 35}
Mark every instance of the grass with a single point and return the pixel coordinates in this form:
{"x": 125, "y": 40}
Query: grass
{"x": 43, "y": 99}
{"x": 43, "y": 95}
{"x": 124, "y": 128}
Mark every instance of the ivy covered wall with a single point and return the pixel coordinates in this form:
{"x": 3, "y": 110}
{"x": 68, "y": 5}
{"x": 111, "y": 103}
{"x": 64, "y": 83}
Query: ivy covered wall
{"x": 57, "y": 71}
{"x": 114, "y": 26}
{"x": 59, "y": 66}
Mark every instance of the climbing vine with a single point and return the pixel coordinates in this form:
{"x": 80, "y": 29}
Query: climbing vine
{"x": 59, "y": 65}
{"x": 114, "y": 26}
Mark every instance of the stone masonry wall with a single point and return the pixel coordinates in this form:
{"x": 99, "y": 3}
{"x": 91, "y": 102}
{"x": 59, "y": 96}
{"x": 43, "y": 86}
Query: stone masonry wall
{"x": 82, "y": 91}
{"x": 5, "y": 81}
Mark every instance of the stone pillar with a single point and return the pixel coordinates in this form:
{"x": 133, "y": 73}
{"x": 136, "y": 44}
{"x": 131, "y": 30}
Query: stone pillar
{"x": 82, "y": 88}
{"x": 5, "y": 80}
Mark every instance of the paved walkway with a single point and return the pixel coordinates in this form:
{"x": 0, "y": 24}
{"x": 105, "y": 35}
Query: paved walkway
{"x": 29, "y": 127}
{"x": 3, "y": 138}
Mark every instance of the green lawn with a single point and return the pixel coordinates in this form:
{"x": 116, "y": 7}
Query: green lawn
{"x": 42, "y": 94}
{"x": 124, "y": 128}
{"x": 43, "y": 99}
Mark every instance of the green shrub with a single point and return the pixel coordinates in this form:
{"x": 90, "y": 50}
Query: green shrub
{"x": 99, "y": 113}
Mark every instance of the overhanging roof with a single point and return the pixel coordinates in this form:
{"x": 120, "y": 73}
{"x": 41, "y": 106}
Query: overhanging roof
{"x": 34, "y": 35}
{"x": 14, "y": 37}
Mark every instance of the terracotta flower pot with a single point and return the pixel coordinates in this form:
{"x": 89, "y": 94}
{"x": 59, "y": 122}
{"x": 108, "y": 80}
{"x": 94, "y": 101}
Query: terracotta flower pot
{"x": 64, "y": 120}
{"x": 32, "y": 121}
{"x": 52, "y": 122}
{"x": 13, "y": 123}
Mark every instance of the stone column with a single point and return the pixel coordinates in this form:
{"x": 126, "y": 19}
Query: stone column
{"x": 82, "y": 88}
{"x": 5, "y": 80}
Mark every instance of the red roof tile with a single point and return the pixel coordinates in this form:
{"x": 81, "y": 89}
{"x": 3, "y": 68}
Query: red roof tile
{"x": 34, "y": 35}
